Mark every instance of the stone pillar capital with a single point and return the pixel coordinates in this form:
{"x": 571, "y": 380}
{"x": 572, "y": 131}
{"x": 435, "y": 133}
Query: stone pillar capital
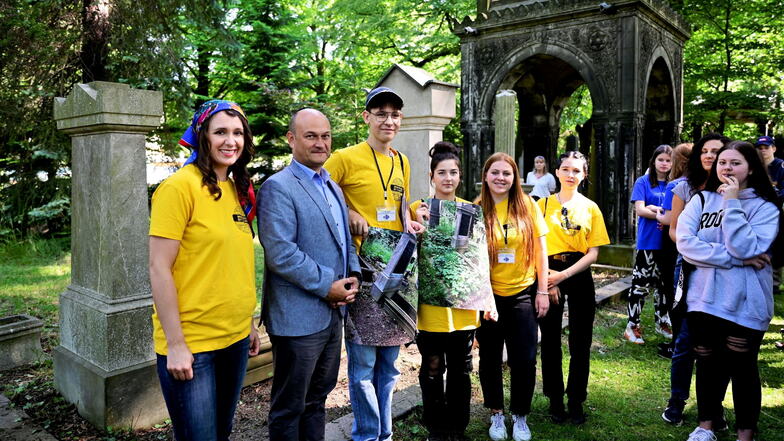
{"x": 101, "y": 106}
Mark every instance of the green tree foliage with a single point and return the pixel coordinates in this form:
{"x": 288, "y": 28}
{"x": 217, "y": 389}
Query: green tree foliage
{"x": 46, "y": 46}
{"x": 732, "y": 79}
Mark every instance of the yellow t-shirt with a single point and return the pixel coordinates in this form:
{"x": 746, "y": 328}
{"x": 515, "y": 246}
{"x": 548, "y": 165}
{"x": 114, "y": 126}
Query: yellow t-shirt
{"x": 213, "y": 271}
{"x": 580, "y": 211}
{"x": 511, "y": 278}
{"x": 433, "y": 318}
{"x": 354, "y": 170}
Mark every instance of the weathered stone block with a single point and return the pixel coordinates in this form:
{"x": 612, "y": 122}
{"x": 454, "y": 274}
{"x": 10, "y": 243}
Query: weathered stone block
{"x": 104, "y": 106}
{"x": 111, "y": 335}
{"x": 20, "y": 341}
{"x": 127, "y": 397}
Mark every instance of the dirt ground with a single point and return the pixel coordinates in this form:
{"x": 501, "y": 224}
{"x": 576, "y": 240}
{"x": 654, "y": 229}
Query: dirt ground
{"x": 250, "y": 422}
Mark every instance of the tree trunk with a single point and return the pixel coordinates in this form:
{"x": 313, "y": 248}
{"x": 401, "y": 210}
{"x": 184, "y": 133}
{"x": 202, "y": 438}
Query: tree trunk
{"x": 95, "y": 40}
{"x": 202, "y": 75}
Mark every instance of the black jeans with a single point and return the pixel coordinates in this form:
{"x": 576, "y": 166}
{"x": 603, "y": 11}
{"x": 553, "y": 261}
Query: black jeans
{"x": 726, "y": 351}
{"x": 306, "y": 371}
{"x": 517, "y": 328}
{"x": 445, "y": 412}
{"x": 579, "y": 291}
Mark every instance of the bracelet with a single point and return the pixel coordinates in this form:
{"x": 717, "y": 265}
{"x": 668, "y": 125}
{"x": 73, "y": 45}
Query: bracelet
{"x": 542, "y": 293}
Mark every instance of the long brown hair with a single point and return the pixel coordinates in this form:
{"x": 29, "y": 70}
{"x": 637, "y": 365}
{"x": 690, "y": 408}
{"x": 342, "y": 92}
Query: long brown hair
{"x": 680, "y": 158}
{"x": 238, "y": 170}
{"x": 518, "y": 213}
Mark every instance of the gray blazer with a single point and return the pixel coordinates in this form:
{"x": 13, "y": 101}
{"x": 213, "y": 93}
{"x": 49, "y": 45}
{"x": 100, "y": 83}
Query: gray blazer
{"x": 302, "y": 255}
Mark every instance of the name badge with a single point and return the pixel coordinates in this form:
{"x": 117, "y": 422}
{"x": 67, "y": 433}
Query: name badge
{"x": 506, "y": 255}
{"x": 385, "y": 214}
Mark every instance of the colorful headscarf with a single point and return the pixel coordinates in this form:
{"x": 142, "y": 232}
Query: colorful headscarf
{"x": 190, "y": 139}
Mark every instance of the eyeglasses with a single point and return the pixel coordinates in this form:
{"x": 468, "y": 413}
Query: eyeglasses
{"x": 566, "y": 224}
{"x": 382, "y": 116}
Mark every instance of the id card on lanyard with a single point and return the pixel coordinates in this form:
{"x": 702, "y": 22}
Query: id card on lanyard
{"x": 505, "y": 254}
{"x": 388, "y": 211}
{"x": 386, "y": 214}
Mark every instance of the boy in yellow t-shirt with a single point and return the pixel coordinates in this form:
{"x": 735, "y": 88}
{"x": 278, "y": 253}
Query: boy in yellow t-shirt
{"x": 374, "y": 178}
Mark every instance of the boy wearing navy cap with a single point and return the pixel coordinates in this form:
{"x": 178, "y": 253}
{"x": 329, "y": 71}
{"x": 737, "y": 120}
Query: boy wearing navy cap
{"x": 375, "y": 179}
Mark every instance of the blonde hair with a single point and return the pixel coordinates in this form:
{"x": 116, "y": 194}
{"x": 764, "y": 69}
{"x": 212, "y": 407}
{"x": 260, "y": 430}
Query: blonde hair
{"x": 518, "y": 213}
{"x": 545, "y": 164}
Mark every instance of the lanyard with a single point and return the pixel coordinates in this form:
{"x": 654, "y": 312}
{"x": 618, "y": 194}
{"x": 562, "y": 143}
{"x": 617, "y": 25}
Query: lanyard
{"x": 380, "y": 176}
{"x": 504, "y": 229}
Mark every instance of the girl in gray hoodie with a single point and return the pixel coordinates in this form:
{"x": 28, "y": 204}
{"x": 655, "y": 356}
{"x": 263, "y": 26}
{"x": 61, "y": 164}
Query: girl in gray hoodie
{"x": 727, "y": 234}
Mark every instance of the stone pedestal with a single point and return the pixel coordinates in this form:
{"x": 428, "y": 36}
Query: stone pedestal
{"x": 429, "y": 105}
{"x": 105, "y": 363}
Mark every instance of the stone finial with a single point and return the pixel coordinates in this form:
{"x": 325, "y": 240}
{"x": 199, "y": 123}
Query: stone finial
{"x": 101, "y": 106}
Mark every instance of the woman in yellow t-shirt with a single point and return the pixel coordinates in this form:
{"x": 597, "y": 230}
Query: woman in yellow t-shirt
{"x": 202, "y": 274}
{"x": 518, "y": 274}
{"x": 576, "y": 232}
{"x": 446, "y": 335}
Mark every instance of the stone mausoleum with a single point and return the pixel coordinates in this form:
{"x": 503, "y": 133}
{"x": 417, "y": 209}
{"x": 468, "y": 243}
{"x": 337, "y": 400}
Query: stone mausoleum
{"x": 629, "y": 53}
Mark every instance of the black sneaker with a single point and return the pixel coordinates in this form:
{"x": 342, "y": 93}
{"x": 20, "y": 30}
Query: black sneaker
{"x": 557, "y": 411}
{"x": 673, "y": 414}
{"x": 576, "y": 414}
{"x": 665, "y": 350}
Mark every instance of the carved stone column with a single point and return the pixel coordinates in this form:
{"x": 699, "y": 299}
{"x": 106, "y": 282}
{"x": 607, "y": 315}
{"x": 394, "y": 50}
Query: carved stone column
{"x": 105, "y": 363}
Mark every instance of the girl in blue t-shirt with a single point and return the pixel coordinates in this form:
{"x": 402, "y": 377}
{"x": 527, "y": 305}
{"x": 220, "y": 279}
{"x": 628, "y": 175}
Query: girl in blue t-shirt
{"x": 648, "y": 198}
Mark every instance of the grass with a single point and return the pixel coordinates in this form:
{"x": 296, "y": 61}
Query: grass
{"x": 628, "y": 390}
{"x": 34, "y": 272}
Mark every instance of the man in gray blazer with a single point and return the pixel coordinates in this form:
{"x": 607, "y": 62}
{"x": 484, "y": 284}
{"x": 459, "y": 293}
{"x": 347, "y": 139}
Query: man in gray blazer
{"x": 311, "y": 274}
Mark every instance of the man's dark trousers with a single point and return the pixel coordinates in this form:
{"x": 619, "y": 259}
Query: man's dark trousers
{"x": 306, "y": 371}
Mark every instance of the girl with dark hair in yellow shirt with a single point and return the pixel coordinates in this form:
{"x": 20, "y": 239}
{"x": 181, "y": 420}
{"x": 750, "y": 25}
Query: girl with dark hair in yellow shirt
{"x": 518, "y": 275}
{"x": 202, "y": 275}
{"x": 576, "y": 231}
{"x": 446, "y": 335}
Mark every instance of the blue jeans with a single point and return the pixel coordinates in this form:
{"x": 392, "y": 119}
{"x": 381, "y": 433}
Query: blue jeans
{"x": 682, "y": 364}
{"x": 371, "y": 379}
{"x": 202, "y": 409}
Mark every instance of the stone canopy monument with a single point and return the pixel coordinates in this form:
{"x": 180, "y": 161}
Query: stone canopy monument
{"x": 629, "y": 53}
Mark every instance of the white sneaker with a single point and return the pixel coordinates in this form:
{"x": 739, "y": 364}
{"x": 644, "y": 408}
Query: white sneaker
{"x": 497, "y": 427}
{"x": 633, "y": 334}
{"x": 664, "y": 330}
{"x": 520, "y": 430}
{"x": 700, "y": 434}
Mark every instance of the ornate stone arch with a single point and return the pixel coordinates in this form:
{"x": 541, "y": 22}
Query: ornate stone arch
{"x": 578, "y": 60}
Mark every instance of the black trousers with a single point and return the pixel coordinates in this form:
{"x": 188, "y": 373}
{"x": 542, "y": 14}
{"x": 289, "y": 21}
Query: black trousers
{"x": 579, "y": 292}
{"x": 306, "y": 371}
{"x": 517, "y": 328}
{"x": 446, "y": 412}
{"x": 726, "y": 351}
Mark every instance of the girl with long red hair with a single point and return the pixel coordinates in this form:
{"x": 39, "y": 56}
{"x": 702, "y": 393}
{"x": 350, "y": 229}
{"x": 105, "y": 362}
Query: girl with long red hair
{"x": 518, "y": 274}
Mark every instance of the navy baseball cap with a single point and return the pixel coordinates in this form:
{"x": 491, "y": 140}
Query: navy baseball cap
{"x": 764, "y": 140}
{"x": 383, "y": 95}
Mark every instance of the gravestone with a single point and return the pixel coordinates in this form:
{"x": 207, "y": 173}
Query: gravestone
{"x": 429, "y": 105}
{"x": 20, "y": 341}
{"x": 105, "y": 362}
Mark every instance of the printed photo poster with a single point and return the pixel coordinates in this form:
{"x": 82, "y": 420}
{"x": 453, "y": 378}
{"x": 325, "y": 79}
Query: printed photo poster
{"x": 454, "y": 269}
{"x": 385, "y": 309}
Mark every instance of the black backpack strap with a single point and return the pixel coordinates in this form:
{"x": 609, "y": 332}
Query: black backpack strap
{"x": 435, "y": 212}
